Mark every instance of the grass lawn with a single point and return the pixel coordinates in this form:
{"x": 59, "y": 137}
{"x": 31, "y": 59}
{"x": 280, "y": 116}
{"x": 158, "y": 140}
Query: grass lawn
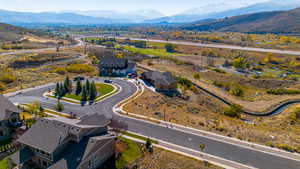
{"x": 4, "y": 164}
{"x": 131, "y": 154}
{"x": 154, "y": 52}
{"x": 102, "y": 89}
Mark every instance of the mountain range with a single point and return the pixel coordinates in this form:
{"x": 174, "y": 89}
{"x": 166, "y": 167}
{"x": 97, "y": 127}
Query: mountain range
{"x": 262, "y": 22}
{"x": 195, "y": 14}
{"x": 140, "y": 16}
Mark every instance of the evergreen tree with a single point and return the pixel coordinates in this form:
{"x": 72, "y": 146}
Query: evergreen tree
{"x": 88, "y": 86}
{"x": 62, "y": 91}
{"x": 84, "y": 94}
{"x": 68, "y": 85}
{"x": 78, "y": 88}
{"x": 56, "y": 93}
{"x": 93, "y": 92}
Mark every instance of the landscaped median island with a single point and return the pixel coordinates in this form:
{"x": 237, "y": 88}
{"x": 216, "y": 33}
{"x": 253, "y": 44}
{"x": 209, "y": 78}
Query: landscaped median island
{"x": 82, "y": 92}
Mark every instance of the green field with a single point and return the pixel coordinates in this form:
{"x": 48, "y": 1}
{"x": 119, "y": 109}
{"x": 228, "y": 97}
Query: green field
{"x": 153, "y": 52}
{"x": 4, "y": 164}
{"x": 102, "y": 89}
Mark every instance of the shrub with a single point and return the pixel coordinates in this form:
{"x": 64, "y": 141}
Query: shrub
{"x": 185, "y": 82}
{"x": 2, "y": 87}
{"x": 171, "y": 48}
{"x": 295, "y": 116}
{"x": 234, "y": 111}
{"x": 283, "y": 91}
{"x": 286, "y": 147}
{"x": 236, "y": 90}
{"x": 59, "y": 106}
{"x": 7, "y": 78}
{"x": 197, "y": 76}
{"x": 223, "y": 85}
{"x": 219, "y": 71}
{"x": 60, "y": 70}
{"x": 80, "y": 68}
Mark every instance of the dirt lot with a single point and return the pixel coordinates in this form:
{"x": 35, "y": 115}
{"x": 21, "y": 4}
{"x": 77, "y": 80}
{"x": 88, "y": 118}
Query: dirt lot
{"x": 205, "y": 113}
{"x": 134, "y": 155}
{"x": 34, "y": 75}
{"x": 255, "y": 97}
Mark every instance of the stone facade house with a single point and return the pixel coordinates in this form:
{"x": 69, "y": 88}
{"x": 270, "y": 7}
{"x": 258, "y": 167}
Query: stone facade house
{"x": 116, "y": 67}
{"x": 61, "y": 143}
{"x": 9, "y": 115}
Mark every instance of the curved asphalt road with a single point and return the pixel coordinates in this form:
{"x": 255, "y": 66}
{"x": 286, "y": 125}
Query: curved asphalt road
{"x": 227, "y": 151}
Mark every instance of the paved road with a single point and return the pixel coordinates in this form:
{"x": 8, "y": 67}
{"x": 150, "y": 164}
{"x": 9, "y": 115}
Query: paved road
{"x": 277, "y": 51}
{"x": 224, "y": 150}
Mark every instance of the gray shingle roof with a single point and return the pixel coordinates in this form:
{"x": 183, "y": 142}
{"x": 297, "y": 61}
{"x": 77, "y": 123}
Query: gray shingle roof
{"x": 112, "y": 62}
{"x": 75, "y": 153}
{"x": 49, "y": 133}
{"x": 6, "y": 108}
{"x": 164, "y": 78}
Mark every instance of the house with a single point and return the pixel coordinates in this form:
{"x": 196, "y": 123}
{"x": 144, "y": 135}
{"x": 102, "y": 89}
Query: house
{"x": 117, "y": 67}
{"x": 162, "y": 81}
{"x": 9, "y": 115}
{"x": 61, "y": 143}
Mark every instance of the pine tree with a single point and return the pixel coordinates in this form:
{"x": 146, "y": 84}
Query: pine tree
{"x": 62, "y": 91}
{"x": 88, "y": 86}
{"x": 93, "y": 92}
{"x": 68, "y": 85}
{"x": 56, "y": 93}
{"x": 84, "y": 94}
{"x": 78, "y": 88}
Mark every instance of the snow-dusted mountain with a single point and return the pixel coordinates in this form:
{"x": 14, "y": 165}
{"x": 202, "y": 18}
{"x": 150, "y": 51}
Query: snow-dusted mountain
{"x": 215, "y": 12}
{"x": 132, "y": 16}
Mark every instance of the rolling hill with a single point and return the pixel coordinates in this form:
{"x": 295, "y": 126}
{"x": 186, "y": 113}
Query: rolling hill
{"x": 12, "y": 17}
{"x": 11, "y": 33}
{"x": 263, "y": 22}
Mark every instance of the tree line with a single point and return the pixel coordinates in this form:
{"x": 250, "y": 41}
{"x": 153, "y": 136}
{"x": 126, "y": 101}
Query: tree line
{"x": 87, "y": 91}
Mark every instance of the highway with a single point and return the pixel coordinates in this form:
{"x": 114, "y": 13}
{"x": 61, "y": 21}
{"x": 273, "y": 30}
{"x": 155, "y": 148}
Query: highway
{"x": 220, "y": 148}
{"x": 221, "y": 46}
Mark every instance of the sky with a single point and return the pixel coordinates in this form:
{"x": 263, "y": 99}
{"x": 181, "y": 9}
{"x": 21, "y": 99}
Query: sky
{"x": 167, "y": 7}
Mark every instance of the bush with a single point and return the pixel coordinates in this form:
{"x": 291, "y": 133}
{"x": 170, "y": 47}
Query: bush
{"x": 223, "y": 85}
{"x": 283, "y": 91}
{"x": 60, "y": 70}
{"x": 2, "y": 87}
{"x": 7, "y": 78}
{"x": 286, "y": 147}
{"x": 59, "y": 107}
{"x": 80, "y": 68}
{"x": 236, "y": 90}
{"x": 295, "y": 116}
{"x": 197, "y": 76}
{"x": 234, "y": 111}
{"x": 219, "y": 71}
{"x": 185, "y": 82}
{"x": 171, "y": 48}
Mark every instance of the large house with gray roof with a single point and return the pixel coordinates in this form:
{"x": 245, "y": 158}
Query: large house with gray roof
{"x": 116, "y": 67}
{"x": 61, "y": 143}
{"x": 9, "y": 115}
{"x": 162, "y": 81}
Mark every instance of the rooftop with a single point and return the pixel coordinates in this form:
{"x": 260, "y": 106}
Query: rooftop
{"x": 164, "y": 78}
{"x": 6, "y": 108}
{"x": 57, "y": 130}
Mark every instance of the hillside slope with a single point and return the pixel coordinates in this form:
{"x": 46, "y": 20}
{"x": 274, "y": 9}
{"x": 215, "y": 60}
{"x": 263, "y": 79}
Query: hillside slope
{"x": 263, "y": 22}
{"x": 11, "y": 33}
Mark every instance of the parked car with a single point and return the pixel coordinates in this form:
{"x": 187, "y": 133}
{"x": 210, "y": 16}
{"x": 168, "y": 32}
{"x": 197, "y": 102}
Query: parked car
{"x": 78, "y": 78}
{"x": 107, "y": 81}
